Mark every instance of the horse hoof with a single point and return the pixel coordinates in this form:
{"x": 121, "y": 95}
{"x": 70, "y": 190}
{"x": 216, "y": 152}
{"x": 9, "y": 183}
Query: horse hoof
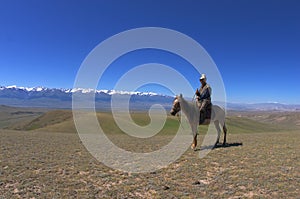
{"x": 193, "y": 147}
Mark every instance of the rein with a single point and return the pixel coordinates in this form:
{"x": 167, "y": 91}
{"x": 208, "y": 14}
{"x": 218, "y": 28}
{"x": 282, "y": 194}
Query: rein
{"x": 193, "y": 97}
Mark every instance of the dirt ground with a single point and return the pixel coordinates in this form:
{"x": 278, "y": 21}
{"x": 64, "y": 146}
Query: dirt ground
{"x": 56, "y": 165}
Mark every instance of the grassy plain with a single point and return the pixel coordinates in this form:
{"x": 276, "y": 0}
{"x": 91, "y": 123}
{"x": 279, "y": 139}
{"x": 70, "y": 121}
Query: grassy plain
{"x": 41, "y": 156}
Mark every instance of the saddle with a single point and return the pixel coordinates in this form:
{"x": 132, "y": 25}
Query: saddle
{"x": 206, "y": 114}
{"x": 208, "y": 111}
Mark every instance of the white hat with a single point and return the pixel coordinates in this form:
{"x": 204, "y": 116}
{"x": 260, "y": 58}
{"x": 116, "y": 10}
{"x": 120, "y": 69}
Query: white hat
{"x": 203, "y": 76}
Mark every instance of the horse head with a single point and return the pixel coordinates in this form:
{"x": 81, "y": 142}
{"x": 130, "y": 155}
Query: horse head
{"x": 176, "y": 106}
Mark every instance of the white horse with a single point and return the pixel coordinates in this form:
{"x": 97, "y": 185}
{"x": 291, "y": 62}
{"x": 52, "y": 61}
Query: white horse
{"x": 192, "y": 113}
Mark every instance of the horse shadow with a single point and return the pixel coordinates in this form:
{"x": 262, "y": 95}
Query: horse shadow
{"x": 219, "y": 145}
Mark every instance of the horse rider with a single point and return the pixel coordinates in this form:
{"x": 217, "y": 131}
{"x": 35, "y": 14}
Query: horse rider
{"x": 203, "y": 97}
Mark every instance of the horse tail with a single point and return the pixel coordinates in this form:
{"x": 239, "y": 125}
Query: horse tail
{"x": 225, "y": 132}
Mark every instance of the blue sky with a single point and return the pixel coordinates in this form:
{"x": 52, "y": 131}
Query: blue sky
{"x": 255, "y": 44}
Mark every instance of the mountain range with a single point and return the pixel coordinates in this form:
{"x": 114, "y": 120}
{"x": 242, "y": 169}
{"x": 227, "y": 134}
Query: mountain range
{"x": 62, "y": 98}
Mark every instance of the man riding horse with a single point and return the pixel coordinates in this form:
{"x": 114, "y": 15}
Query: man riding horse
{"x": 204, "y": 99}
{"x": 208, "y": 112}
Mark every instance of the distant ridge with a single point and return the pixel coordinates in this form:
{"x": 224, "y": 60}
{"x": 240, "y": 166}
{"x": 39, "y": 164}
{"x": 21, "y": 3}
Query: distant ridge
{"x": 74, "y": 90}
{"x": 62, "y": 98}
{"x": 270, "y": 106}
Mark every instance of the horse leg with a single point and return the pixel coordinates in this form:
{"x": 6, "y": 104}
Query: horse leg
{"x": 195, "y": 133}
{"x": 225, "y": 132}
{"x": 194, "y": 144}
{"x": 219, "y": 131}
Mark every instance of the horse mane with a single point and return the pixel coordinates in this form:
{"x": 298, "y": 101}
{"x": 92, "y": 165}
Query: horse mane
{"x": 191, "y": 111}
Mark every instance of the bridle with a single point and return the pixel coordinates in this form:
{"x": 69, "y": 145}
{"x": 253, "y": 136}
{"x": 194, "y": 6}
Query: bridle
{"x": 176, "y": 107}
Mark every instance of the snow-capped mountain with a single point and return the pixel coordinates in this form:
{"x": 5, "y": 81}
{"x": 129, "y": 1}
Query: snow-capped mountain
{"x": 74, "y": 90}
{"x": 62, "y": 98}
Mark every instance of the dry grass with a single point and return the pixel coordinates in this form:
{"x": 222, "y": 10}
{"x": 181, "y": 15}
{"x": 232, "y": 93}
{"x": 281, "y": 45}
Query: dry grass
{"x": 56, "y": 165}
{"x": 51, "y": 162}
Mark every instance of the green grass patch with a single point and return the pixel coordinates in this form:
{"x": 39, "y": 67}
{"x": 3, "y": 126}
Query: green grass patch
{"x": 109, "y": 125}
{"x": 62, "y": 121}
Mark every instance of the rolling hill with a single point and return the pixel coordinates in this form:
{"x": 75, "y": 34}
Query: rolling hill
{"x": 62, "y": 121}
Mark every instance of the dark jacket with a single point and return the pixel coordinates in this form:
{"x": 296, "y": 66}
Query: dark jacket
{"x": 205, "y": 92}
